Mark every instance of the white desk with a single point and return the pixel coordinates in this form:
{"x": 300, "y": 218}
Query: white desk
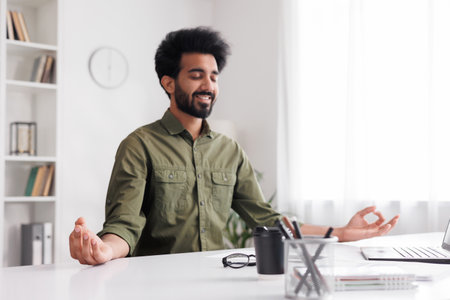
{"x": 197, "y": 276}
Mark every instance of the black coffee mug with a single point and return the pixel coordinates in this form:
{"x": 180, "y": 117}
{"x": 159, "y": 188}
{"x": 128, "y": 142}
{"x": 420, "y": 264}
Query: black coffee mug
{"x": 269, "y": 250}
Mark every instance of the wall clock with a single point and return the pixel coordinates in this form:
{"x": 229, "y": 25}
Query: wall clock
{"x": 108, "y": 67}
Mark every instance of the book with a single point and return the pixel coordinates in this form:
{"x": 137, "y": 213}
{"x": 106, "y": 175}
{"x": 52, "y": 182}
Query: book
{"x": 32, "y": 239}
{"x": 372, "y": 277}
{"x": 23, "y": 26}
{"x": 46, "y": 76}
{"x": 39, "y": 182}
{"x": 17, "y": 26}
{"x": 38, "y": 68}
{"x": 48, "y": 180}
{"x": 35, "y": 69}
{"x": 31, "y": 180}
{"x": 9, "y": 26}
{"x": 47, "y": 253}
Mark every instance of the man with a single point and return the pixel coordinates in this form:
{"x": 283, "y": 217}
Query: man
{"x": 174, "y": 181}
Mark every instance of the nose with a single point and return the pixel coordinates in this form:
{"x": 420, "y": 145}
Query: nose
{"x": 208, "y": 84}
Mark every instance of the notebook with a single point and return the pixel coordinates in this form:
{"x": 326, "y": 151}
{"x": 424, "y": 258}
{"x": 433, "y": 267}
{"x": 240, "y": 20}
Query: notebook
{"x": 372, "y": 277}
{"x": 439, "y": 255}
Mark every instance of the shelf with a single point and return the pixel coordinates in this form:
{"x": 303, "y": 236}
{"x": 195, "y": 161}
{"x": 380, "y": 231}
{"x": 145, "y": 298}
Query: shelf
{"x": 28, "y": 48}
{"x": 31, "y": 87}
{"x": 13, "y": 158}
{"x": 31, "y": 3}
{"x": 28, "y": 199}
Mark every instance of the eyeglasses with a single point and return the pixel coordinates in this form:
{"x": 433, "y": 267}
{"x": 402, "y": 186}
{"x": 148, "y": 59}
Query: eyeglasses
{"x": 239, "y": 260}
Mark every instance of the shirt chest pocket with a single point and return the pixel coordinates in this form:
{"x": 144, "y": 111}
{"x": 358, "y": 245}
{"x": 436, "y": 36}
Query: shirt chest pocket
{"x": 170, "y": 193}
{"x": 222, "y": 189}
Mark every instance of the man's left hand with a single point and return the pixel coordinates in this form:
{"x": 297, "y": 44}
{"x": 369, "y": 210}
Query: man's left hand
{"x": 358, "y": 228}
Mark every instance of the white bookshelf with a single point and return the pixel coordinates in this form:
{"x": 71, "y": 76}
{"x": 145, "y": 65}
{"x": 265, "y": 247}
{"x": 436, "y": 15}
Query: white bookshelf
{"x": 30, "y": 87}
{"x": 24, "y": 101}
{"x": 25, "y": 48}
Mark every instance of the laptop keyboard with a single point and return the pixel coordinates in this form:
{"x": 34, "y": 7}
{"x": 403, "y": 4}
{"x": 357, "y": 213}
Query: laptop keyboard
{"x": 421, "y": 252}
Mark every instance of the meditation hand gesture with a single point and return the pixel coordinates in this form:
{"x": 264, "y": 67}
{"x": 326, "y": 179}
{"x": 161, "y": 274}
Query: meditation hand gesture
{"x": 87, "y": 247}
{"x": 358, "y": 228}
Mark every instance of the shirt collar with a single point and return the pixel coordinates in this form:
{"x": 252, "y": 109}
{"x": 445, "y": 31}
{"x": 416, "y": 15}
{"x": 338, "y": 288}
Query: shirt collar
{"x": 174, "y": 127}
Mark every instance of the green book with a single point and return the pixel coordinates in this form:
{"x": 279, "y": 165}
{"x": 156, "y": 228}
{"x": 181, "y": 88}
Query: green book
{"x": 31, "y": 180}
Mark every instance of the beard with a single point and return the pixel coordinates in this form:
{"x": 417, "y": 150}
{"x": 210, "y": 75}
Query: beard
{"x": 189, "y": 105}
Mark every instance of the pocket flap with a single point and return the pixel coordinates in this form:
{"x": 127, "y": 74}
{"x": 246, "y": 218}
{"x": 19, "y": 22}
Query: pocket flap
{"x": 224, "y": 178}
{"x": 170, "y": 176}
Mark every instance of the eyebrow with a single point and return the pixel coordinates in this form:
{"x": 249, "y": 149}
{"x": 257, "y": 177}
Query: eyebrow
{"x": 202, "y": 71}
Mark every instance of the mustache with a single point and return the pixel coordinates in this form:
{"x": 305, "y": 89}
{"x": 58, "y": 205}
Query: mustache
{"x": 212, "y": 95}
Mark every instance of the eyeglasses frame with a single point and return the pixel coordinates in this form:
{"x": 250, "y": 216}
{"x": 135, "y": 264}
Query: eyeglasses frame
{"x": 250, "y": 264}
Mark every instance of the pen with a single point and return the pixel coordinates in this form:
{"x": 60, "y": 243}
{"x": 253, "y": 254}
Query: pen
{"x": 283, "y": 230}
{"x": 329, "y": 231}
{"x": 288, "y": 224}
{"x": 308, "y": 260}
{"x": 316, "y": 255}
{"x": 300, "y": 276}
{"x": 326, "y": 236}
{"x": 297, "y": 228}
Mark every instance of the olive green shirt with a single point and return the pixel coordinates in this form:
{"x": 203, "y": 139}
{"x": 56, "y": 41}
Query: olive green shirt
{"x": 171, "y": 194}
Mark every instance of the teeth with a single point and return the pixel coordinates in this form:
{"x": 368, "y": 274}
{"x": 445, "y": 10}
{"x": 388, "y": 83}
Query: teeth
{"x": 204, "y": 97}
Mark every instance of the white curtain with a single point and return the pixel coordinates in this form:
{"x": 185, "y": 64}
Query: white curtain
{"x": 364, "y": 110}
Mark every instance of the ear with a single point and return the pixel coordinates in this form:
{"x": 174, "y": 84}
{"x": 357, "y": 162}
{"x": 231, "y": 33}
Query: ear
{"x": 168, "y": 84}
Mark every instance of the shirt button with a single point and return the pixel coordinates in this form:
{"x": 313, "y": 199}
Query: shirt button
{"x": 199, "y": 176}
{"x": 171, "y": 176}
{"x": 195, "y": 149}
{"x": 203, "y": 230}
{"x": 225, "y": 178}
{"x": 202, "y": 203}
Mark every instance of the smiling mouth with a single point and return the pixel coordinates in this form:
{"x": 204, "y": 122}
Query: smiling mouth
{"x": 204, "y": 97}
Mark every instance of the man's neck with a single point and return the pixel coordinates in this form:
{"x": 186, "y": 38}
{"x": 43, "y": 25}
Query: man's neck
{"x": 190, "y": 123}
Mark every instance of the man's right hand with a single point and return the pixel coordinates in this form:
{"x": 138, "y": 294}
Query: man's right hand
{"x": 87, "y": 247}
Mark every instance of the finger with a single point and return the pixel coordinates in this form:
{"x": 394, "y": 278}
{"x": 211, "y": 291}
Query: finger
{"x": 82, "y": 261}
{"x": 96, "y": 251}
{"x": 80, "y": 221}
{"x": 384, "y": 229}
{"x": 388, "y": 226}
{"x": 75, "y": 243}
{"x": 78, "y": 231}
{"x": 394, "y": 220}
{"x": 380, "y": 216}
{"x": 87, "y": 251}
{"x": 72, "y": 246}
{"x": 380, "y": 220}
{"x": 366, "y": 211}
{"x": 75, "y": 251}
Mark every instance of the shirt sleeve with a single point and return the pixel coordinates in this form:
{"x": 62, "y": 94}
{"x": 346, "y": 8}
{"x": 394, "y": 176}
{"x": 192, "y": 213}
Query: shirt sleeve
{"x": 123, "y": 210}
{"x": 248, "y": 199}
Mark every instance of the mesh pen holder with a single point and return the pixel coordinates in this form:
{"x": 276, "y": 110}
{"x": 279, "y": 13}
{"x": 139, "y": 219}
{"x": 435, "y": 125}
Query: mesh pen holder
{"x": 308, "y": 266}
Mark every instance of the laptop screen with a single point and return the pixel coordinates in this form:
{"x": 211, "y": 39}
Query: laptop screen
{"x": 446, "y": 241}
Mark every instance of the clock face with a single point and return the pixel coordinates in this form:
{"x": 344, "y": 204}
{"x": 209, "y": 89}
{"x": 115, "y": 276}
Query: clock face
{"x": 108, "y": 67}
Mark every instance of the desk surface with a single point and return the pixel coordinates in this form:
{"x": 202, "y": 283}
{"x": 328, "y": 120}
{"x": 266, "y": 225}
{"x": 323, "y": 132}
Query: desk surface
{"x": 199, "y": 276}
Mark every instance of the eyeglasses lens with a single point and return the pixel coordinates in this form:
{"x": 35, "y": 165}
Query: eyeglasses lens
{"x": 237, "y": 260}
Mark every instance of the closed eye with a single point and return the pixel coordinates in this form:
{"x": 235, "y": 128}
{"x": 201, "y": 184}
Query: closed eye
{"x": 196, "y": 75}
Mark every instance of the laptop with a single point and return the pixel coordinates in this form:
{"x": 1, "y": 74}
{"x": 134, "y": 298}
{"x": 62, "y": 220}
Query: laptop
{"x": 438, "y": 255}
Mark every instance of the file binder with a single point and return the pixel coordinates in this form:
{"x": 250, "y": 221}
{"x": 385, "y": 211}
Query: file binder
{"x": 47, "y": 253}
{"x": 32, "y": 244}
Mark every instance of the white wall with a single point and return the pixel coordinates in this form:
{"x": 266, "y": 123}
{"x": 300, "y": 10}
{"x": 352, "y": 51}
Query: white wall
{"x": 248, "y": 85}
{"x": 95, "y": 120}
